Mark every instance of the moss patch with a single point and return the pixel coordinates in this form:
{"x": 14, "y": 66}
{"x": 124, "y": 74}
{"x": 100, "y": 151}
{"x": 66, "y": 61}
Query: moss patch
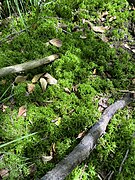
{"x": 76, "y": 111}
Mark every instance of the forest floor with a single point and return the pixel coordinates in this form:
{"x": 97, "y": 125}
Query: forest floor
{"x": 42, "y": 121}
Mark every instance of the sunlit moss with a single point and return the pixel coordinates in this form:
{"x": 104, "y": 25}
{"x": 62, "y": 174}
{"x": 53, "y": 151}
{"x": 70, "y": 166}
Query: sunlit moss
{"x": 89, "y": 68}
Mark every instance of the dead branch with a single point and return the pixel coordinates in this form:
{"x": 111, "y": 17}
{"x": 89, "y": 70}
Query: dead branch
{"x": 27, "y": 65}
{"x": 84, "y": 148}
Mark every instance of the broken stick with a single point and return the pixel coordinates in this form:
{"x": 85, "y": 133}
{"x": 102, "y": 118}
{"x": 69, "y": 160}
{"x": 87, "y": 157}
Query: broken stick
{"x": 84, "y": 148}
{"x": 27, "y": 65}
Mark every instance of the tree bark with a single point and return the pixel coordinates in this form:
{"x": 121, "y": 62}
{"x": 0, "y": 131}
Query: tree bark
{"x": 84, "y": 148}
{"x": 27, "y": 65}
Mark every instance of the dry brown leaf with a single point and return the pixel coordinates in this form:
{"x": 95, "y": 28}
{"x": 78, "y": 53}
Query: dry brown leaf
{"x": 20, "y": 79}
{"x": 4, "y": 173}
{"x": 56, "y": 42}
{"x": 100, "y": 109}
{"x": 50, "y": 80}
{"x": 22, "y": 111}
{"x": 4, "y": 108}
{"x": 67, "y": 90}
{"x": 94, "y": 71}
{"x": 54, "y": 147}
{"x": 133, "y": 81}
{"x": 103, "y": 102}
{"x": 133, "y": 50}
{"x": 103, "y": 19}
{"x": 74, "y": 88}
{"x": 100, "y": 29}
{"x": 126, "y": 46}
{"x": 81, "y": 135}
{"x": 36, "y": 78}
{"x": 86, "y": 21}
{"x": 77, "y": 29}
{"x": 104, "y": 38}
{"x": 63, "y": 26}
{"x": 53, "y": 150}
{"x": 43, "y": 83}
{"x": 105, "y": 13}
{"x": 103, "y": 16}
{"x": 112, "y": 18}
{"x": 46, "y": 158}
{"x": 83, "y": 36}
{"x": 31, "y": 88}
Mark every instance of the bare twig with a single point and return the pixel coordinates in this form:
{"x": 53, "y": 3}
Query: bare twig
{"x": 27, "y": 66}
{"x": 100, "y": 178}
{"x": 12, "y": 35}
{"x": 126, "y": 91}
{"x": 110, "y": 176}
{"x": 125, "y": 157}
{"x": 67, "y": 32}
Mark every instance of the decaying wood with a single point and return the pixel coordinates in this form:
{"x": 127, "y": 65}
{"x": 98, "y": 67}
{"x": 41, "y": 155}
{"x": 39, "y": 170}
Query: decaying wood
{"x": 27, "y": 65}
{"x": 84, "y": 148}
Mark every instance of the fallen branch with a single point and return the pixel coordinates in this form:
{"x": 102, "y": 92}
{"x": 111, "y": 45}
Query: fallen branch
{"x": 84, "y": 148}
{"x": 27, "y": 66}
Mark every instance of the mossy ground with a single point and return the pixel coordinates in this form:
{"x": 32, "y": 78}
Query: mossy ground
{"x": 78, "y": 110}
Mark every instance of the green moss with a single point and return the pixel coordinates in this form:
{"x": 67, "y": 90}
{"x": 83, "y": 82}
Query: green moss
{"x": 90, "y": 65}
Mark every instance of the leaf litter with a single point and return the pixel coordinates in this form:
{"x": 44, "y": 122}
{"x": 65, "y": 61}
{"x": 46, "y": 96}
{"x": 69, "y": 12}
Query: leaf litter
{"x": 43, "y": 83}
{"x": 56, "y": 42}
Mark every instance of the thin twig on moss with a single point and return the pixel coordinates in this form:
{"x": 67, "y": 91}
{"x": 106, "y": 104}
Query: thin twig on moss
{"x": 125, "y": 157}
{"x": 12, "y": 35}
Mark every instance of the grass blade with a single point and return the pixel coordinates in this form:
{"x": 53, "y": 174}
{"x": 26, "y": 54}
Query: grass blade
{"x": 16, "y": 140}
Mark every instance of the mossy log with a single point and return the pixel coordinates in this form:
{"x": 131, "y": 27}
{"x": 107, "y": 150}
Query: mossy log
{"x": 27, "y": 65}
{"x": 84, "y": 148}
